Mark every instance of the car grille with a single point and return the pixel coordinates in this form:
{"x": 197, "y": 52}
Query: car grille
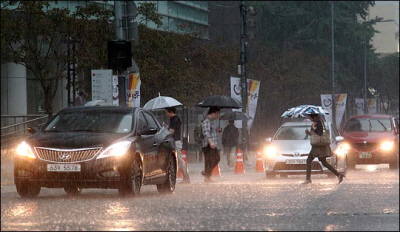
{"x": 293, "y": 155}
{"x": 67, "y": 155}
{"x": 364, "y": 146}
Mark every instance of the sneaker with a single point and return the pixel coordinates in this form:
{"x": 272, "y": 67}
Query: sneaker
{"x": 208, "y": 180}
{"x": 306, "y": 182}
{"x": 340, "y": 177}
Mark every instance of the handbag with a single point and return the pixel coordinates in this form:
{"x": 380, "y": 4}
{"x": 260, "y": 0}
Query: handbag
{"x": 322, "y": 140}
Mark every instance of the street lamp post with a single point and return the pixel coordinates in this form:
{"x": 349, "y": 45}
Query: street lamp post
{"x": 243, "y": 54}
{"x": 333, "y": 68}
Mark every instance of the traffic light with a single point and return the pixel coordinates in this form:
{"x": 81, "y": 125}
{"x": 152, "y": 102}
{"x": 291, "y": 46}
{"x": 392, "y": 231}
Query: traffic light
{"x": 119, "y": 55}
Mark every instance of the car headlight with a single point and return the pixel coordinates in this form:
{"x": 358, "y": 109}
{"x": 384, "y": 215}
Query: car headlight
{"x": 345, "y": 146}
{"x": 117, "y": 149}
{"x": 270, "y": 152}
{"x": 23, "y": 149}
{"x": 387, "y": 146}
{"x": 342, "y": 149}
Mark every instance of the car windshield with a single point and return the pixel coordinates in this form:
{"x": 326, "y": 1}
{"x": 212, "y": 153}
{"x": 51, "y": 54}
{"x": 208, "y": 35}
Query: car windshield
{"x": 292, "y": 133}
{"x": 92, "y": 121}
{"x": 369, "y": 124}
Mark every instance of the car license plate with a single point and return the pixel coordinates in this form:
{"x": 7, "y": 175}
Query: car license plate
{"x": 63, "y": 167}
{"x": 366, "y": 155}
{"x": 296, "y": 161}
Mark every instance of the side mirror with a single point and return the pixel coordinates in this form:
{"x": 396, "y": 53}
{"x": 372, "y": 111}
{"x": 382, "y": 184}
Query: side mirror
{"x": 268, "y": 140}
{"x": 339, "y": 138}
{"x": 148, "y": 131}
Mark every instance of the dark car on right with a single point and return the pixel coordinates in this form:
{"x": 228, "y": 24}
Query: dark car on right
{"x": 372, "y": 139}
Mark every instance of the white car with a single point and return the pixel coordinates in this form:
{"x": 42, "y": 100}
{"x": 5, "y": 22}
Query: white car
{"x": 287, "y": 151}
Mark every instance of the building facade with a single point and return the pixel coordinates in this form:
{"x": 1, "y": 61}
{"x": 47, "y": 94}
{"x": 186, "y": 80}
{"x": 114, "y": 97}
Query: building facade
{"x": 386, "y": 42}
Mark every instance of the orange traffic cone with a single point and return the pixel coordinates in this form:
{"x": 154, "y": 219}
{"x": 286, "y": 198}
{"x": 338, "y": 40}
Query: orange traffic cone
{"x": 239, "y": 168}
{"x": 180, "y": 173}
{"x": 259, "y": 163}
{"x": 216, "y": 171}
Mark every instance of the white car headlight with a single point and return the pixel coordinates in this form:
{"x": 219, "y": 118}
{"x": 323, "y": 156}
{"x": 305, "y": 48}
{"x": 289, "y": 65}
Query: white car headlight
{"x": 387, "y": 146}
{"x": 23, "y": 149}
{"x": 342, "y": 149}
{"x": 270, "y": 152}
{"x": 117, "y": 149}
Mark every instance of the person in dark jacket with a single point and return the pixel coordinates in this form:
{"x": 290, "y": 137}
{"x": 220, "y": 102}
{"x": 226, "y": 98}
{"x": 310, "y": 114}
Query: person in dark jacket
{"x": 322, "y": 152}
{"x": 175, "y": 129}
{"x": 230, "y": 137}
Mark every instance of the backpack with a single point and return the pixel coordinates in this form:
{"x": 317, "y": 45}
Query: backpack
{"x": 198, "y": 133}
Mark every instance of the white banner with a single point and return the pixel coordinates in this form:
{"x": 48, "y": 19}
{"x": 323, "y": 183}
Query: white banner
{"x": 360, "y": 106}
{"x": 115, "y": 91}
{"x": 102, "y": 86}
{"x": 253, "y": 88}
{"x": 340, "y": 99}
{"x": 133, "y": 90}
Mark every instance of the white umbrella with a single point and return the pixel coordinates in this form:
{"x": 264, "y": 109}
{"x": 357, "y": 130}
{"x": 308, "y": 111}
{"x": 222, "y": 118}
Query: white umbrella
{"x": 161, "y": 102}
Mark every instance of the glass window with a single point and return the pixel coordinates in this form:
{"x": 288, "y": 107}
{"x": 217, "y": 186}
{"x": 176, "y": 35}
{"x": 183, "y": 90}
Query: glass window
{"x": 292, "y": 133}
{"x": 91, "y": 121}
{"x": 163, "y": 7}
{"x": 172, "y": 9}
{"x": 152, "y": 123}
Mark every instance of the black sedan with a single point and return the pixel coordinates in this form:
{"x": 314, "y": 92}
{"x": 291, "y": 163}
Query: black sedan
{"x": 106, "y": 147}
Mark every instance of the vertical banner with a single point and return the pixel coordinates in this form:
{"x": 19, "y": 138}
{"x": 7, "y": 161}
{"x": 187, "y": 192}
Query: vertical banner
{"x": 115, "y": 91}
{"x": 340, "y": 99}
{"x": 371, "y": 104}
{"x": 133, "y": 90}
{"x": 253, "y": 87}
{"x": 359, "y": 105}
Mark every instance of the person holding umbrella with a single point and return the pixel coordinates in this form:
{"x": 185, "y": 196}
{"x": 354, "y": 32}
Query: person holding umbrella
{"x": 210, "y": 143}
{"x": 175, "y": 129}
{"x": 322, "y": 152}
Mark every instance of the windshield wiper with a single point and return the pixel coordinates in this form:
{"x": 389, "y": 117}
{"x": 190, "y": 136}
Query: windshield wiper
{"x": 84, "y": 130}
{"x": 384, "y": 127}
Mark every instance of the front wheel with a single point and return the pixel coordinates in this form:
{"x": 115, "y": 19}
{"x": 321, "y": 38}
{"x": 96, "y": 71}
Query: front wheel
{"x": 169, "y": 185}
{"x": 131, "y": 181}
{"x": 27, "y": 189}
{"x": 394, "y": 164}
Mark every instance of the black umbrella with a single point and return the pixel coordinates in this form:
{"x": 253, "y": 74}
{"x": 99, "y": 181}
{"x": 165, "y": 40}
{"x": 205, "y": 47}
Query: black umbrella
{"x": 235, "y": 115}
{"x": 220, "y": 101}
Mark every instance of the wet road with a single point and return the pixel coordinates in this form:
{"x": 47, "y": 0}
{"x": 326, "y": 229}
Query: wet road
{"x": 367, "y": 200}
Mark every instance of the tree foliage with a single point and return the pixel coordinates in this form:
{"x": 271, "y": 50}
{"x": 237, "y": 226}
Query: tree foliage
{"x": 35, "y": 34}
{"x": 181, "y": 66}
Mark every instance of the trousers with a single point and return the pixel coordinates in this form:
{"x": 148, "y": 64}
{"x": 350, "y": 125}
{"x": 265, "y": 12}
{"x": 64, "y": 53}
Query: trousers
{"x": 230, "y": 153}
{"x": 211, "y": 159}
{"x": 310, "y": 158}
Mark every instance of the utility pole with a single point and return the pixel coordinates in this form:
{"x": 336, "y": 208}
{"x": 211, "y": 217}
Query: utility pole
{"x": 244, "y": 38}
{"x": 126, "y": 30}
{"x": 333, "y": 68}
{"x": 243, "y": 14}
